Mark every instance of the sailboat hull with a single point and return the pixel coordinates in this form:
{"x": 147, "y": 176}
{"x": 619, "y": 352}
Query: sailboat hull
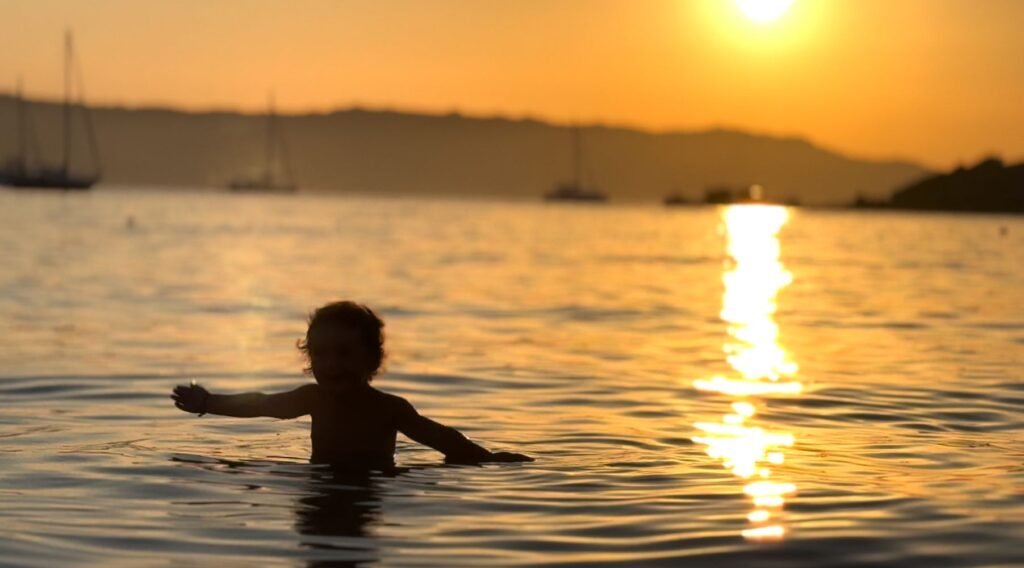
{"x": 575, "y": 191}
{"x": 268, "y": 182}
{"x": 48, "y": 182}
{"x": 19, "y": 175}
{"x": 259, "y": 186}
{"x": 571, "y": 192}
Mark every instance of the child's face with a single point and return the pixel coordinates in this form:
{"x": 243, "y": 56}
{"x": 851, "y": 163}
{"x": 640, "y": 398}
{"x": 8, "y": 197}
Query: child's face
{"x": 337, "y": 356}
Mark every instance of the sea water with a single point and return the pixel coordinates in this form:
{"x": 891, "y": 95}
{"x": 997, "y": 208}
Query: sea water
{"x": 739, "y": 386}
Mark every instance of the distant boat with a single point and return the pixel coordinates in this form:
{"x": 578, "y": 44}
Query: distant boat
{"x": 267, "y": 181}
{"x": 574, "y": 190}
{"x": 675, "y": 199}
{"x": 731, "y": 196}
{"x": 21, "y": 173}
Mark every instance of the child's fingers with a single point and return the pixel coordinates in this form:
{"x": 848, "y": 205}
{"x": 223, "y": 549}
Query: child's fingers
{"x": 183, "y": 402}
{"x": 184, "y": 406}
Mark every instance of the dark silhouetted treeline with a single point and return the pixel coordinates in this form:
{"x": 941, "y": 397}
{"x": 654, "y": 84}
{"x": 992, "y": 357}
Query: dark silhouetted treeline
{"x": 990, "y": 187}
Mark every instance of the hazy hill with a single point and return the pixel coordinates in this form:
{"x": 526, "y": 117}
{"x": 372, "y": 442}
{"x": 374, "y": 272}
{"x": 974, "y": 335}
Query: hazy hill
{"x": 392, "y": 152}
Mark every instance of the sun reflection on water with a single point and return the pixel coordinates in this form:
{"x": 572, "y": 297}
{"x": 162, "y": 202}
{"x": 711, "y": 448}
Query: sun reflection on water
{"x": 762, "y": 367}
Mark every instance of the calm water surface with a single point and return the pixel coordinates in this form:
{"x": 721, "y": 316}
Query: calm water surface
{"x": 710, "y": 387}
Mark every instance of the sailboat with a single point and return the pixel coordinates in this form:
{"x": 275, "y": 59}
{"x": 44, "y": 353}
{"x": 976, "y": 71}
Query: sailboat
{"x": 575, "y": 190}
{"x": 19, "y": 171}
{"x": 267, "y": 182}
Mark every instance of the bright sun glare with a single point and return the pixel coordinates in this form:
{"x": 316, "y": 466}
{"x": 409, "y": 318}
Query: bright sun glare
{"x": 764, "y": 11}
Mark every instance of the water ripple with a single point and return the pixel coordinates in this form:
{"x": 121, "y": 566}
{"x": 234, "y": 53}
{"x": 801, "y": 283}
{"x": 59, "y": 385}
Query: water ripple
{"x": 570, "y": 334}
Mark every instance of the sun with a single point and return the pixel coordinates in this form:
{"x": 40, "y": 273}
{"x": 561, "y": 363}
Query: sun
{"x": 763, "y": 11}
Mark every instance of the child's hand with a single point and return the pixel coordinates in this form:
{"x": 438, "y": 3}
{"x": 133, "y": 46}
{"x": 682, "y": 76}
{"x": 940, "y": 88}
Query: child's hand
{"x": 191, "y": 398}
{"x": 509, "y": 457}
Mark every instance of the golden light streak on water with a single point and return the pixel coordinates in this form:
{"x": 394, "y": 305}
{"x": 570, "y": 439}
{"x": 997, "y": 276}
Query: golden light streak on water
{"x": 758, "y": 516}
{"x": 763, "y": 367}
{"x": 769, "y": 532}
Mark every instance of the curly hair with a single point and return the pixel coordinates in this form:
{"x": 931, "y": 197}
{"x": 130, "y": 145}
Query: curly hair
{"x": 355, "y": 315}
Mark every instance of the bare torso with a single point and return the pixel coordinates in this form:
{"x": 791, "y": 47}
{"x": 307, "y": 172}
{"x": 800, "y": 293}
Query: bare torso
{"x": 355, "y": 426}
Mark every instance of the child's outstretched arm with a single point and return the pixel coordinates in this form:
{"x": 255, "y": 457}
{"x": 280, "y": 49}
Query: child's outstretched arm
{"x": 456, "y": 447}
{"x": 291, "y": 404}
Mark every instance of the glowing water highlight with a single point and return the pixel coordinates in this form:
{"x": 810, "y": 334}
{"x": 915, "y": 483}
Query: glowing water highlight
{"x": 763, "y": 368}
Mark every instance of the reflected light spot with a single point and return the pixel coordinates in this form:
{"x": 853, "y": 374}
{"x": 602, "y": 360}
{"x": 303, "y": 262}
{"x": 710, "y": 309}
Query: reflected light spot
{"x": 769, "y": 501}
{"x": 762, "y": 488}
{"x": 744, "y": 409}
{"x": 772, "y": 532}
{"x": 741, "y": 387}
{"x": 752, "y": 279}
{"x": 759, "y": 516}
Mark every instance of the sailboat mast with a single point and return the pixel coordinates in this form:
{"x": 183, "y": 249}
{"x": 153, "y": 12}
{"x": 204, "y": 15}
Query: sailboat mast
{"x": 269, "y": 171}
{"x": 94, "y": 146}
{"x": 286, "y": 159}
{"x": 576, "y": 158}
{"x": 22, "y": 130}
{"x": 67, "y": 103}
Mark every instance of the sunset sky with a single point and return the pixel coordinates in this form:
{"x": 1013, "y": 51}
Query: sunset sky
{"x": 940, "y": 82}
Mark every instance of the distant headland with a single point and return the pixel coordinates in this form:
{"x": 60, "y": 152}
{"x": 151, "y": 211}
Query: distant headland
{"x": 391, "y": 152}
{"x": 989, "y": 187}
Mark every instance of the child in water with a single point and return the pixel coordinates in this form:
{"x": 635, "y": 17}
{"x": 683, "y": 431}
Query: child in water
{"x": 354, "y": 424}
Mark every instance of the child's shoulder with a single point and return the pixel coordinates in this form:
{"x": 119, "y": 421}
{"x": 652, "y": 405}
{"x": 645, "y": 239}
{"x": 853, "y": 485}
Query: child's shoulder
{"x": 374, "y": 397}
{"x": 393, "y": 400}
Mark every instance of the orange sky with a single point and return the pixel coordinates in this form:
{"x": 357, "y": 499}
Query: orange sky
{"x": 937, "y": 81}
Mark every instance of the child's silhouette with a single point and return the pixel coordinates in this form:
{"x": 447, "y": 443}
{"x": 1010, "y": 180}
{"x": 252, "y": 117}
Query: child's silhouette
{"x": 353, "y": 423}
